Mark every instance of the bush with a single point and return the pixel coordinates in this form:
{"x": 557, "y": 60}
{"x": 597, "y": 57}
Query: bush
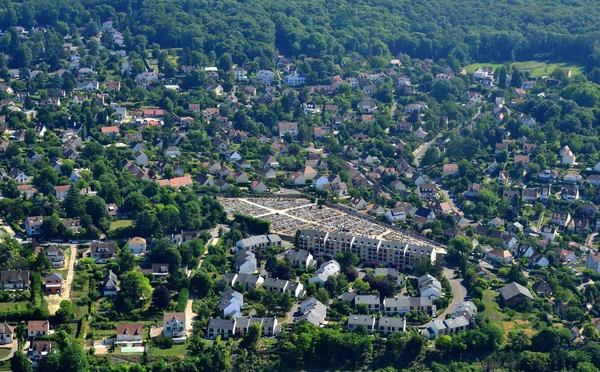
{"x": 182, "y": 300}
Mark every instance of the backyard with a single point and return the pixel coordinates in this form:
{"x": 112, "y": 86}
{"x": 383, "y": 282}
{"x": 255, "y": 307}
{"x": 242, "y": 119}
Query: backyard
{"x": 120, "y": 223}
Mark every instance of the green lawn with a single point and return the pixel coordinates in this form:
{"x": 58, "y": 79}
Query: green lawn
{"x": 9, "y": 306}
{"x": 4, "y": 352}
{"x": 179, "y": 350}
{"x": 535, "y": 68}
{"x": 120, "y": 223}
{"x": 492, "y": 310}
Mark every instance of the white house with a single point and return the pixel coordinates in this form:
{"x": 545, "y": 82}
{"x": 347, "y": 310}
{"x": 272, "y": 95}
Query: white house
{"x": 130, "y": 334}
{"x": 231, "y": 303}
{"x": 174, "y": 325}
{"x": 429, "y": 286}
{"x": 326, "y": 270}
{"x": 593, "y": 262}
{"x": 137, "y": 245}
{"x": 245, "y": 262}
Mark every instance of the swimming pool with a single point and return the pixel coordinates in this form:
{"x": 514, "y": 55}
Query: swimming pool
{"x": 132, "y": 349}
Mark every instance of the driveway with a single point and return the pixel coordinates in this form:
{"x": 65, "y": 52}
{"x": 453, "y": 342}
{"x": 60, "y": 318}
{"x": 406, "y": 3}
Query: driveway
{"x": 55, "y": 300}
{"x": 289, "y": 318}
{"x": 458, "y": 290}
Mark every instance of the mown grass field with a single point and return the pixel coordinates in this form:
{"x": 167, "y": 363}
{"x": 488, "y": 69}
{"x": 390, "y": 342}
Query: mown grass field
{"x": 535, "y": 68}
{"x": 120, "y": 223}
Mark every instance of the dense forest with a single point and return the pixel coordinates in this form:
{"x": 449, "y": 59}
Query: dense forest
{"x": 496, "y": 30}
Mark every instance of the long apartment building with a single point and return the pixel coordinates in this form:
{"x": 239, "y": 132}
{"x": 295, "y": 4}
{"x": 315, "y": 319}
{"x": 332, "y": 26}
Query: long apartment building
{"x": 390, "y": 253}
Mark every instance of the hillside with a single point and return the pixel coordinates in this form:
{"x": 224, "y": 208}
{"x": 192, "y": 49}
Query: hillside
{"x": 501, "y": 30}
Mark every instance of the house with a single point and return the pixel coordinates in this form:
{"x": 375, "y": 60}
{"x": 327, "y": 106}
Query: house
{"x": 102, "y": 251}
{"x": 247, "y": 281}
{"x": 522, "y": 159}
{"x": 137, "y": 245}
{"x": 503, "y": 178}
{"x": 61, "y": 192}
{"x": 288, "y": 127}
{"x": 561, "y": 218}
{"x": 53, "y": 283}
{"x": 257, "y": 242}
{"x": 376, "y": 210}
{"x": 404, "y": 305}
{"x": 221, "y": 327}
{"x": 319, "y": 182}
{"x": 572, "y": 178}
{"x": 548, "y": 175}
{"x": 140, "y": 158}
{"x": 264, "y": 77}
{"x": 593, "y": 262}
{"x": 296, "y": 79}
{"x": 177, "y": 182}
{"x": 542, "y": 289}
{"x": 130, "y": 334}
{"x": 514, "y": 294}
{"x": 565, "y": 255}
{"x": 387, "y": 325}
{"x": 258, "y": 186}
{"x": 570, "y": 193}
{"x": 174, "y": 326}
{"x": 7, "y": 333}
{"x": 239, "y": 176}
{"x": 496, "y": 222}
{"x": 276, "y": 285}
{"x": 109, "y": 284}
{"x": 111, "y": 131}
{"x": 326, "y": 270}
{"x": 366, "y": 321}
{"x": 549, "y": 233}
{"x": 36, "y": 328}
{"x": 501, "y": 256}
{"x": 39, "y": 350}
{"x": 358, "y": 203}
{"x": 55, "y": 255}
{"x": 230, "y": 303}
{"x": 593, "y": 179}
{"x": 427, "y": 191}
{"x": 429, "y": 286}
{"x": 172, "y": 151}
{"x": 450, "y": 170}
{"x": 530, "y": 194}
{"x": 538, "y": 259}
{"x": 567, "y": 157}
{"x": 245, "y": 262}
{"x": 313, "y": 311}
{"x": 421, "y": 134}
{"x": 19, "y": 176}
{"x": 33, "y": 226}
{"x": 15, "y": 279}
{"x": 300, "y": 258}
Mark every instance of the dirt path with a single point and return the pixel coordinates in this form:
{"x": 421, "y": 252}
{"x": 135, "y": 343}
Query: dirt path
{"x": 55, "y": 300}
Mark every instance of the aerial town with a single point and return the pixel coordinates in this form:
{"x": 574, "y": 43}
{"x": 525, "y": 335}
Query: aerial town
{"x": 166, "y": 210}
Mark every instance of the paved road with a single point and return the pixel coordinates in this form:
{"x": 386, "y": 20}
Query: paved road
{"x": 420, "y": 151}
{"x": 590, "y": 239}
{"x": 449, "y": 199}
{"x": 458, "y": 290}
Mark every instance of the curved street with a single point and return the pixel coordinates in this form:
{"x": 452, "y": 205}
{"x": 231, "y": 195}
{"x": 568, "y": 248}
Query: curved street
{"x": 458, "y": 290}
